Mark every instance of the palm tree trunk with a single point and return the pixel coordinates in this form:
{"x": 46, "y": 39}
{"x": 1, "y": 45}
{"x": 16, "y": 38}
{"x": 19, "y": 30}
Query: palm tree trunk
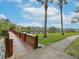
{"x": 61, "y": 12}
{"x": 45, "y": 22}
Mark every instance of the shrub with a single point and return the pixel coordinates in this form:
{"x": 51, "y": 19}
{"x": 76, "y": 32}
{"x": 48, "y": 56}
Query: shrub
{"x": 4, "y": 33}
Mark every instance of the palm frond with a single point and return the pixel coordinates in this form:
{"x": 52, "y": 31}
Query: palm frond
{"x": 51, "y": 1}
{"x": 75, "y": 19}
{"x": 38, "y": 0}
{"x": 44, "y": 1}
{"x": 63, "y": 2}
{"x": 77, "y": 9}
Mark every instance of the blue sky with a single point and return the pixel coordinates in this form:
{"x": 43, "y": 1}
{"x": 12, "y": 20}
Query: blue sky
{"x": 31, "y": 13}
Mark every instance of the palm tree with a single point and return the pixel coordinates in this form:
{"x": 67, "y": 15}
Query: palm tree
{"x": 61, "y": 4}
{"x": 45, "y": 3}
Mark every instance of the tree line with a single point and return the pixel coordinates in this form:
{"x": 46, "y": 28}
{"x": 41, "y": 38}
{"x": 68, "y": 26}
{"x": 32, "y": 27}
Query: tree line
{"x": 5, "y": 25}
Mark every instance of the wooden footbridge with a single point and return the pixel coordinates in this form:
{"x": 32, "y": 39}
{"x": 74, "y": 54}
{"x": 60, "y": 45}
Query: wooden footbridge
{"x": 18, "y": 44}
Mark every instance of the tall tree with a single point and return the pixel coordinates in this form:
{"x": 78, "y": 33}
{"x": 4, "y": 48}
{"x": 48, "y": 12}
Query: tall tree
{"x": 61, "y": 3}
{"x": 45, "y": 3}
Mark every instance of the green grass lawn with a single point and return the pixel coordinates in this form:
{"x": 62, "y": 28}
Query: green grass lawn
{"x": 53, "y": 37}
{"x": 73, "y": 49}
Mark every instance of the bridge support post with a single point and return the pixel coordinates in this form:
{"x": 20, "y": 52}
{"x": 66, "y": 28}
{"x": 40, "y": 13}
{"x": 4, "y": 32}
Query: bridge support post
{"x": 36, "y": 42}
{"x": 9, "y": 47}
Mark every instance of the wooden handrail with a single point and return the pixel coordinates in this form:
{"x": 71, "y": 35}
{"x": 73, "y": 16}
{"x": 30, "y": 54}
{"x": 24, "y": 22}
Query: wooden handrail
{"x": 30, "y": 40}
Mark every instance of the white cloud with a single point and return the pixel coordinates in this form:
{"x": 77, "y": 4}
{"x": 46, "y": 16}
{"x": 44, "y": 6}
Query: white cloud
{"x": 3, "y": 16}
{"x": 57, "y": 25}
{"x": 34, "y": 1}
{"x": 53, "y": 16}
{"x": 28, "y": 5}
{"x": 38, "y": 13}
{"x": 33, "y": 13}
{"x": 33, "y": 10}
{"x": 31, "y": 24}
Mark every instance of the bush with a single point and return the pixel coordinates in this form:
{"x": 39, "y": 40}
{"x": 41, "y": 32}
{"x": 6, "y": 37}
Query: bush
{"x": 4, "y": 33}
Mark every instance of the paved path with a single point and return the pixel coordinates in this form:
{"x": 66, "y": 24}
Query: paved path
{"x": 63, "y": 44}
{"x": 19, "y": 48}
{"x": 54, "y": 51}
{"x": 2, "y": 49}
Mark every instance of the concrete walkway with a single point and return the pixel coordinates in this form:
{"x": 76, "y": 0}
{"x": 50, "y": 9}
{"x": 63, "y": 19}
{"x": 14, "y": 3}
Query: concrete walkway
{"x": 2, "y": 49}
{"x": 63, "y": 44}
{"x": 54, "y": 51}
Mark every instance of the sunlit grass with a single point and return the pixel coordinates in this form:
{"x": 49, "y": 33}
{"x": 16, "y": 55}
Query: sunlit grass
{"x": 54, "y": 37}
{"x": 73, "y": 49}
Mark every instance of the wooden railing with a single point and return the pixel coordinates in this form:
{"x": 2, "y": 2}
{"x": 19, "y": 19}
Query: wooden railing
{"x": 28, "y": 39}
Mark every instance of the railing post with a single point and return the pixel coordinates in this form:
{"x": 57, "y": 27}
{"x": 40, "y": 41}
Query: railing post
{"x": 19, "y": 35}
{"x": 36, "y": 42}
{"x": 24, "y": 36}
{"x": 9, "y": 47}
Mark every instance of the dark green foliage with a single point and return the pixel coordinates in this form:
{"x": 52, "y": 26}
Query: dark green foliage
{"x": 4, "y": 33}
{"x": 5, "y": 25}
{"x": 77, "y": 9}
{"x": 76, "y": 16}
{"x": 70, "y": 30}
{"x": 52, "y": 29}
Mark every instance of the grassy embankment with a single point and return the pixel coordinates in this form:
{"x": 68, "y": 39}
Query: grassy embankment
{"x": 54, "y": 37}
{"x": 73, "y": 49}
